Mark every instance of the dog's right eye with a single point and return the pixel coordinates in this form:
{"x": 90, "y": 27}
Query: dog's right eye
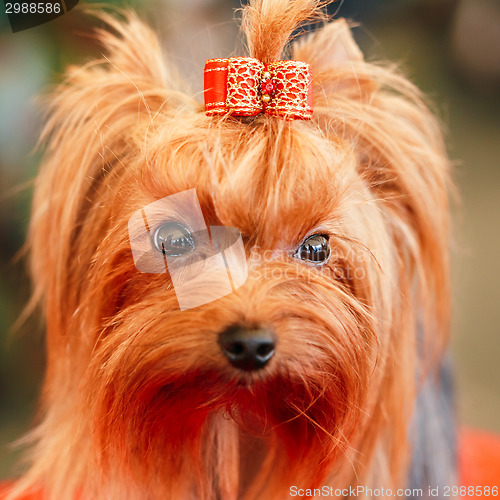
{"x": 173, "y": 239}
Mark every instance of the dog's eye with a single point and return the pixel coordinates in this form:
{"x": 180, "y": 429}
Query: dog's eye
{"x": 173, "y": 239}
{"x": 315, "y": 249}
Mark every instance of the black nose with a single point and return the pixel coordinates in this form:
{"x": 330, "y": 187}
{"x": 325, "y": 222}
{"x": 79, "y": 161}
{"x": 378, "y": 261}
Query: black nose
{"x": 246, "y": 348}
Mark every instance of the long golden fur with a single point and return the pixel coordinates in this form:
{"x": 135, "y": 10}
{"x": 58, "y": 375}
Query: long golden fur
{"x": 138, "y": 400}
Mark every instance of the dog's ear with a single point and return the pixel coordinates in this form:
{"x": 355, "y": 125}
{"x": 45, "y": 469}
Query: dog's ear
{"x": 335, "y": 59}
{"x": 102, "y": 104}
{"x": 133, "y": 73}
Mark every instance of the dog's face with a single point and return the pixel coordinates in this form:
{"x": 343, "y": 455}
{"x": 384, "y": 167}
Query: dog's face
{"x": 341, "y": 220}
{"x": 293, "y": 351}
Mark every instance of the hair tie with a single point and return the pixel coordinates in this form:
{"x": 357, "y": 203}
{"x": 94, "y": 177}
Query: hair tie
{"x": 244, "y": 86}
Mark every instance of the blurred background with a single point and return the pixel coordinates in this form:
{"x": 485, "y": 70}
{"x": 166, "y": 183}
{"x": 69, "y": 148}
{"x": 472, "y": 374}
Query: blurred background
{"x": 449, "y": 48}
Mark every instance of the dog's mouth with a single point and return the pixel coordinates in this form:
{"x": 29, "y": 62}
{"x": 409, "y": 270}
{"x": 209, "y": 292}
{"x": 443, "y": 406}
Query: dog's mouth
{"x": 216, "y": 390}
{"x": 250, "y": 397}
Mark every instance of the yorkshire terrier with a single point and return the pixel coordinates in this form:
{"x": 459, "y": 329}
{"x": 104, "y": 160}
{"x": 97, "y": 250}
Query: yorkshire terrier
{"x": 246, "y": 298}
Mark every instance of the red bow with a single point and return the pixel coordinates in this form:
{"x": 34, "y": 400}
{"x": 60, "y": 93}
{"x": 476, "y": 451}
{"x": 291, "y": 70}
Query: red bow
{"x": 243, "y": 86}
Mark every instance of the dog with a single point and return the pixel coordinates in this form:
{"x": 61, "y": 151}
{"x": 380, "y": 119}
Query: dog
{"x": 322, "y": 369}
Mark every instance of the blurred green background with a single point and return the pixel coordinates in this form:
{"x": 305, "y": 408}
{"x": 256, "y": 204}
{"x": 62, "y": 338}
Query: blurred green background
{"x": 450, "y": 48}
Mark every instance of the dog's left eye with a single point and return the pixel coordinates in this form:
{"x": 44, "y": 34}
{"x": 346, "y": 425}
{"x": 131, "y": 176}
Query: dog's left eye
{"x": 173, "y": 239}
{"x": 315, "y": 249}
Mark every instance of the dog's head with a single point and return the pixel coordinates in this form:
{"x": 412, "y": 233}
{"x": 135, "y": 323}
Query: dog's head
{"x": 306, "y": 370}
